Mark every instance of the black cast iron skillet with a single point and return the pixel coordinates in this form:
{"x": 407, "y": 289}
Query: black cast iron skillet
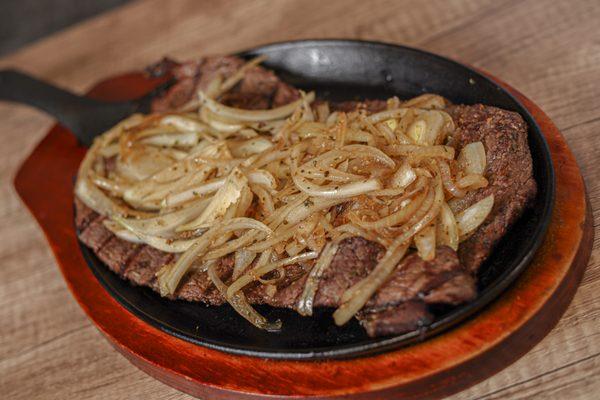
{"x": 337, "y": 70}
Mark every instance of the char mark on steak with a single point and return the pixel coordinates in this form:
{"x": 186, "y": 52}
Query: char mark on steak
{"x": 398, "y": 306}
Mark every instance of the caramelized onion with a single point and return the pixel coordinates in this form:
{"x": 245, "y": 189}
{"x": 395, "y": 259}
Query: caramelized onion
{"x": 468, "y": 220}
{"x": 238, "y": 114}
{"x": 240, "y": 304}
{"x": 257, "y": 272}
{"x": 243, "y": 259}
{"x": 448, "y": 181}
{"x": 447, "y": 229}
{"x": 337, "y": 191}
{"x": 158, "y": 242}
{"x": 251, "y": 146}
{"x": 370, "y": 151}
{"x": 165, "y": 223}
{"x": 472, "y": 182}
{"x": 403, "y": 176}
{"x": 170, "y": 275}
{"x": 425, "y": 243}
{"x": 426, "y": 101}
{"x": 417, "y": 153}
{"x": 289, "y": 183}
{"x": 472, "y": 158}
{"x": 399, "y": 216}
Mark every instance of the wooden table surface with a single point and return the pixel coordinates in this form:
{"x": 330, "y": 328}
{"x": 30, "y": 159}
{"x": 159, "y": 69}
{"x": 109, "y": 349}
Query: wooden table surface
{"x": 549, "y": 50}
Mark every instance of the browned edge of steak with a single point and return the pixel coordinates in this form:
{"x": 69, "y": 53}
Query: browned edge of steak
{"x": 259, "y": 89}
{"x": 509, "y": 171}
{"x": 401, "y": 304}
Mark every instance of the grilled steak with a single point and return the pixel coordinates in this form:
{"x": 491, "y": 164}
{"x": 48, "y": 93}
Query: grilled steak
{"x": 398, "y": 306}
{"x": 509, "y": 171}
{"x": 260, "y": 88}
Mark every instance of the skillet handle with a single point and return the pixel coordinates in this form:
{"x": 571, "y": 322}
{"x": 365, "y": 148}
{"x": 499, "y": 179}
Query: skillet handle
{"x": 83, "y": 116}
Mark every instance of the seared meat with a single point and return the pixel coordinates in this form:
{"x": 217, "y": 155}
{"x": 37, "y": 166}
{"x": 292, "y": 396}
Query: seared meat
{"x": 117, "y": 254}
{"x": 143, "y": 266}
{"x": 197, "y": 286}
{"x": 398, "y": 306}
{"x": 509, "y": 171}
{"x": 426, "y": 280}
{"x": 404, "y": 317}
{"x": 260, "y": 88}
{"x": 415, "y": 280}
{"x": 95, "y": 235}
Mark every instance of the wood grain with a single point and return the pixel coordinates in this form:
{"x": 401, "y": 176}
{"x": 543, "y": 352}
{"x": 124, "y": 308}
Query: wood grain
{"x": 469, "y": 353}
{"x": 550, "y": 50}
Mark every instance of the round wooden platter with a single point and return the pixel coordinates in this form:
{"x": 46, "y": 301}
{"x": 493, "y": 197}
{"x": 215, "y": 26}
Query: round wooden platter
{"x": 440, "y": 366}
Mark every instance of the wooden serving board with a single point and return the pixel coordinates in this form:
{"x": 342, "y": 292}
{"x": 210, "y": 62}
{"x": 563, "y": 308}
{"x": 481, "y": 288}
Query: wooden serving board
{"x": 440, "y": 366}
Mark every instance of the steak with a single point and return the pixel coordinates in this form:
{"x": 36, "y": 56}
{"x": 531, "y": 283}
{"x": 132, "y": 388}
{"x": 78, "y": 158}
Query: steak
{"x": 418, "y": 282}
{"x": 509, "y": 171}
{"x": 260, "y": 88}
{"x": 401, "y": 304}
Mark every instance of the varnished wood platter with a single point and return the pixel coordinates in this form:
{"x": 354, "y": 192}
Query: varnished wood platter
{"x": 445, "y": 364}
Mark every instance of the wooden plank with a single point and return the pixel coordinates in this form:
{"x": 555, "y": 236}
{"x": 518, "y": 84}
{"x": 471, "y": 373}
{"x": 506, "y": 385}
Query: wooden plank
{"x": 547, "y": 49}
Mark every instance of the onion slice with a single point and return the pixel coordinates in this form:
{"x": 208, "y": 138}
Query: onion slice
{"x": 241, "y": 305}
{"x": 402, "y": 215}
{"x": 468, "y": 220}
{"x": 160, "y": 243}
{"x": 243, "y": 258}
{"x": 121, "y": 232}
{"x": 228, "y": 194}
{"x": 425, "y": 243}
{"x": 472, "y": 182}
{"x": 403, "y": 176}
{"x": 184, "y": 123}
{"x": 256, "y": 273}
{"x": 238, "y": 114}
{"x": 305, "y": 303}
{"x": 472, "y": 158}
{"x": 448, "y": 181}
{"x": 165, "y": 223}
{"x": 417, "y": 153}
{"x": 427, "y": 128}
{"x": 250, "y": 147}
{"x": 338, "y": 191}
{"x": 427, "y": 101}
{"x": 447, "y": 228}
{"x": 370, "y": 151}
{"x": 175, "y": 199}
